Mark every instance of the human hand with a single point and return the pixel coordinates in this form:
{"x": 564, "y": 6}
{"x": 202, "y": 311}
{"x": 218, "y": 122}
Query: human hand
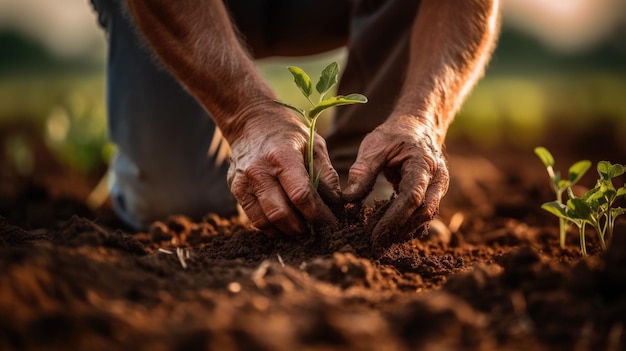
{"x": 405, "y": 150}
{"x": 267, "y": 175}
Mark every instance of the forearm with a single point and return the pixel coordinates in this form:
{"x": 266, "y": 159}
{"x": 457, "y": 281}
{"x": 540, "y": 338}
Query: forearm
{"x": 451, "y": 42}
{"x": 196, "y": 41}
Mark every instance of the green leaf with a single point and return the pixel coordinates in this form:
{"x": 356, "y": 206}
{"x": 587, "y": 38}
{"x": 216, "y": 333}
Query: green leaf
{"x": 592, "y": 194}
{"x": 556, "y": 208}
{"x": 336, "y": 101}
{"x": 577, "y": 208}
{"x": 545, "y": 156}
{"x": 621, "y": 192}
{"x": 562, "y": 184}
{"x": 556, "y": 180}
{"x": 302, "y": 80}
{"x": 328, "y": 79}
{"x": 609, "y": 195}
{"x": 608, "y": 170}
{"x": 578, "y": 170}
{"x": 290, "y": 106}
{"x": 570, "y": 193}
{"x": 594, "y": 198}
{"x": 617, "y": 211}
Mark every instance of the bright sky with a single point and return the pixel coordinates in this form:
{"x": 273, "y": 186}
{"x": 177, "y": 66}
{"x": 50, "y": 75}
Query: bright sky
{"x": 68, "y": 27}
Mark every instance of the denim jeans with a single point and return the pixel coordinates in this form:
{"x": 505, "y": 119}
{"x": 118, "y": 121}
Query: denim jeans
{"x": 170, "y": 155}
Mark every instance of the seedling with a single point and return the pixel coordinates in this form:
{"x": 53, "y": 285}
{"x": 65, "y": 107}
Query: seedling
{"x": 576, "y": 171}
{"x": 181, "y": 253}
{"x": 595, "y": 208}
{"x": 327, "y": 81}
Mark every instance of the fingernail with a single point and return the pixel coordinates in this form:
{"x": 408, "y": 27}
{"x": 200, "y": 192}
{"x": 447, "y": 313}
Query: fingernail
{"x": 351, "y": 188}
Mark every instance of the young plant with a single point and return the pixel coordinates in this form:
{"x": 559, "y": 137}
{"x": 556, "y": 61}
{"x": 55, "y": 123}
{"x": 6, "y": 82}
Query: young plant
{"x": 327, "y": 81}
{"x": 595, "y": 208}
{"x": 576, "y": 171}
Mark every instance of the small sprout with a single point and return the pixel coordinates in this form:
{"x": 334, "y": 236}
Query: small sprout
{"x": 327, "y": 81}
{"x": 576, "y": 171}
{"x": 280, "y": 260}
{"x": 166, "y": 251}
{"x": 180, "y": 252}
{"x": 258, "y": 276}
{"x": 595, "y": 208}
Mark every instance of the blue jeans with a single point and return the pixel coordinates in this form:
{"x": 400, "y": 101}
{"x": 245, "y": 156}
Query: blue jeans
{"x": 170, "y": 155}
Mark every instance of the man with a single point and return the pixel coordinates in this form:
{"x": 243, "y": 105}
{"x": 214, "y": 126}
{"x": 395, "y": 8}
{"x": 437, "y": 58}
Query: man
{"x": 414, "y": 60}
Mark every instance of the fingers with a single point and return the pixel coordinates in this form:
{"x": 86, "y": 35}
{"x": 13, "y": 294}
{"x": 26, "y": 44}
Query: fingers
{"x": 363, "y": 173}
{"x": 266, "y": 204}
{"x": 420, "y": 192}
{"x": 294, "y": 180}
{"x": 248, "y": 201}
{"x": 278, "y": 197}
{"x": 276, "y": 207}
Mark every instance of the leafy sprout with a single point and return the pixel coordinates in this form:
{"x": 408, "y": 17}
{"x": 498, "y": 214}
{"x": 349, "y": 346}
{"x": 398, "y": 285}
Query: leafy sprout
{"x": 576, "y": 171}
{"x": 327, "y": 81}
{"x": 595, "y": 208}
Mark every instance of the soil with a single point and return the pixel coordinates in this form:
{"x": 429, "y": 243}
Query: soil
{"x": 489, "y": 275}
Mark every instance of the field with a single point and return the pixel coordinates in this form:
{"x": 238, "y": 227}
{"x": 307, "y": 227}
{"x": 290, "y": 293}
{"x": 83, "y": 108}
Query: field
{"x": 489, "y": 275}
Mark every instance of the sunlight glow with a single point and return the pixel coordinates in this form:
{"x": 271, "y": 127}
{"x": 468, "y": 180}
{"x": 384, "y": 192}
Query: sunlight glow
{"x": 58, "y": 125}
{"x": 566, "y": 25}
{"x": 66, "y": 27}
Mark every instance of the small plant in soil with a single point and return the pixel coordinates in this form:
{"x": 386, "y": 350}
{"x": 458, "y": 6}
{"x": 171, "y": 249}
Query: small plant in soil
{"x": 327, "y": 81}
{"x": 595, "y": 208}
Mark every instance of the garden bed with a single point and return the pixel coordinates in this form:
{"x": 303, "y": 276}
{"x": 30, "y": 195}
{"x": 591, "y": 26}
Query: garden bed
{"x": 489, "y": 275}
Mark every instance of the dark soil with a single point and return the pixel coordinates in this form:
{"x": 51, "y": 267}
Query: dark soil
{"x": 488, "y": 276}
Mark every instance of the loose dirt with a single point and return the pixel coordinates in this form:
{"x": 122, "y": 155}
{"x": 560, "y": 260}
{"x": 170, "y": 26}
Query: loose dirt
{"x": 489, "y": 275}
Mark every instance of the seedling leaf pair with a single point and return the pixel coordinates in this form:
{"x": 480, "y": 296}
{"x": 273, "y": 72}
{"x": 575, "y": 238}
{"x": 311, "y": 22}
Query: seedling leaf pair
{"x": 327, "y": 81}
{"x": 608, "y": 171}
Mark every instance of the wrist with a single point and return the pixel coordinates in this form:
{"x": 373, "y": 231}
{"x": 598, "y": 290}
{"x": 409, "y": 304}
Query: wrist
{"x": 422, "y": 123}
{"x": 257, "y": 116}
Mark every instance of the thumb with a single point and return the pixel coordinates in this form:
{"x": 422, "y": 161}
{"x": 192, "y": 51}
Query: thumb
{"x": 362, "y": 176}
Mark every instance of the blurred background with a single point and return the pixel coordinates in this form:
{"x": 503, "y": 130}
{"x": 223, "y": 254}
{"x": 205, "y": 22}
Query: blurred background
{"x": 559, "y": 66}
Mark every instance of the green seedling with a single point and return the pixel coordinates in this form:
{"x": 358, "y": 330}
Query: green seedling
{"x": 595, "y": 208}
{"x": 327, "y": 81}
{"x": 576, "y": 171}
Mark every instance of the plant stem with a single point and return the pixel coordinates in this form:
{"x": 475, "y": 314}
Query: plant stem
{"x": 310, "y": 148}
{"x": 601, "y": 235}
{"x": 583, "y": 246}
{"x": 562, "y": 229}
{"x": 610, "y": 223}
{"x": 311, "y": 101}
{"x": 311, "y": 169}
{"x": 562, "y": 221}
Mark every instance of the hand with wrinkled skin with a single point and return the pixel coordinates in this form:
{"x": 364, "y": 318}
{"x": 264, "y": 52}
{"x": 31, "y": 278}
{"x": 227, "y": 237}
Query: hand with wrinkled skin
{"x": 445, "y": 61}
{"x": 406, "y": 152}
{"x": 268, "y": 177}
